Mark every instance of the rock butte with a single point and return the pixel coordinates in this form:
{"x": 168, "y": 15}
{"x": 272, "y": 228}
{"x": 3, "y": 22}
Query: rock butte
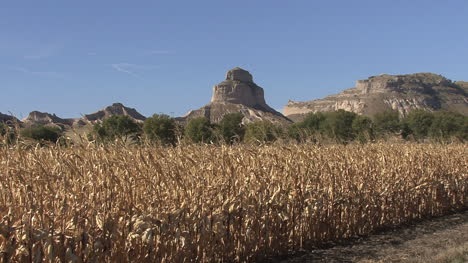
{"x": 402, "y": 93}
{"x": 238, "y": 93}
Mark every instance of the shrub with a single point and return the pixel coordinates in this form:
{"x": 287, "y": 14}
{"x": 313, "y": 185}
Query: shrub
{"x": 338, "y": 125}
{"x": 446, "y": 125}
{"x": 231, "y": 128}
{"x": 161, "y": 128}
{"x": 363, "y": 128}
{"x": 42, "y": 133}
{"x": 387, "y": 122}
{"x": 308, "y": 128}
{"x": 116, "y": 126}
{"x": 199, "y": 130}
{"x": 419, "y": 122}
{"x": 262, "y": 132}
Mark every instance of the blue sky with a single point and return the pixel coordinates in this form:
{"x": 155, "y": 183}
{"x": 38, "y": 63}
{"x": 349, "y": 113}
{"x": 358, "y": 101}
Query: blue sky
{"x": 75, "y": 57}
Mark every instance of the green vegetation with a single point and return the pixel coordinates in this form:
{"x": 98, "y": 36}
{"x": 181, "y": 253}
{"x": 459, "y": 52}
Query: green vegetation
{"x": 363, "y": 129}
{"x": 338, "y": 125}
{"x": 262, "y": 132}
{"x": 161, "y": 129}
{"x": 200, "y": 130}
{"x": 446, "y": 125}
{"x": 231, "y": 128}
{"x": 387, "y": 123}
{"x": 419, "y": 122}
{"x": 324, "y": 127}
{"x": 116, "y": 127}
{"x": 42, "y": 133}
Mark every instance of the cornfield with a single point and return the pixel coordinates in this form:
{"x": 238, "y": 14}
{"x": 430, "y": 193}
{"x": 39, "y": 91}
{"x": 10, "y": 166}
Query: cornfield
{"x": 201, "y": 203}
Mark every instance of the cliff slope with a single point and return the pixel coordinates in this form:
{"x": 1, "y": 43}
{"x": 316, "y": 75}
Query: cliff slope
{"x": 402, "y": 93}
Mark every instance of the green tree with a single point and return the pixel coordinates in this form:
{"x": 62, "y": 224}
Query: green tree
{"x": 199, "y": 130}
{"x": 42, "y": 133}
{"x": 231, "y": 128}
{"x": 161, "y": 128}
{"x": 363, "y": 128}
{"x": 419, "y": 123}
{"x": 338, "y": 125}
{"x": 117, "y": 126}
{"x": 308, "y": 128}
{"x": 297, "y": 133}
{"x": 313, "y": 121}
{"x": 387, "y": 122}
{"x": 446, "y": 125}
{"x": 262, "y": 132}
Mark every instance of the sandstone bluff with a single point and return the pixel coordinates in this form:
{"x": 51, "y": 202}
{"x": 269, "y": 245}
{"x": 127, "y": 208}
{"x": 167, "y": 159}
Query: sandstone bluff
{"x": 43, "y": 118}
{"x": 238, "y": 93}
{"x": 402, "y": 93}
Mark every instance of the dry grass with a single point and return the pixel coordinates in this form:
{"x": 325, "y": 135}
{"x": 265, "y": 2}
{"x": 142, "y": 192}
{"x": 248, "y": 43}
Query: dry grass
{"x": 207, "y": 203}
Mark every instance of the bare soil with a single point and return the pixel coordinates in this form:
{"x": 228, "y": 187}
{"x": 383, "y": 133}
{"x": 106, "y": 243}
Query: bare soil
{"x": 443, "y": 239}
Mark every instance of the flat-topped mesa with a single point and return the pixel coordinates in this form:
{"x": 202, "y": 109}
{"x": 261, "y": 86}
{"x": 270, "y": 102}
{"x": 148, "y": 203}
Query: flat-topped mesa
{"x": 389, "y": 83}
{"x": 402, "y": 93}
{"x": 239, "y": 88}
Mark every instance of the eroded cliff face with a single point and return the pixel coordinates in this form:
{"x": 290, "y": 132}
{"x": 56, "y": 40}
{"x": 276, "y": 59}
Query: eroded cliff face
{"x": 43, "y": 118}
{"x": 402, "y": 93}
{"x": 238, "y": 93}
{"x": 239, "y": 88}
{"x": 114, "y": 109}
{"x": 36, "y": 118}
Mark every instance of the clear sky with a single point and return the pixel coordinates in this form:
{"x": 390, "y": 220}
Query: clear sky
{"x": 76, "y": 57}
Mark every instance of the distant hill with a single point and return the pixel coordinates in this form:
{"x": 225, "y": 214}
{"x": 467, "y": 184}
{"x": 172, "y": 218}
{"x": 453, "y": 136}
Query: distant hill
{"x": 43, "y": 118}
{"x": 238, "y": 93}
{"x": 114, "y": 109}
{"x": 5, "y": 118}
{"x": 402, "y": 93}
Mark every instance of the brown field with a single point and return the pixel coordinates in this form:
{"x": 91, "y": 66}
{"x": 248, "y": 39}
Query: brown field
{"x": 215, "y": 204}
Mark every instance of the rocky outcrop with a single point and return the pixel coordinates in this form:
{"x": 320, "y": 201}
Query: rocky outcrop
{"x": 114, "y": 109}
{"x": 5, "y": 118}
{"x": 402, "y": 93}
{"x": 43, "y": 118}
{"x": 238, "y": 93}
{"x": 36, "y": 118}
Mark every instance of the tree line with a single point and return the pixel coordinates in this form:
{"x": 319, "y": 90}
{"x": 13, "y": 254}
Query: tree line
{"x": 338, "y": 127}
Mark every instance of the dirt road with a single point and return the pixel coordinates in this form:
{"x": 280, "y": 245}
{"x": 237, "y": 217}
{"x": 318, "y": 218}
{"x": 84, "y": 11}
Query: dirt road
{"x": 443, "y": 239}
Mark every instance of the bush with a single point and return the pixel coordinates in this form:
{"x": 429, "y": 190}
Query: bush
{"x": 338, "y": 125}
{"x": 116, "y": 126}
{"x": 363, "y": 128}
{"x": 387, "y": 122}
{"x": 419, "y": 123}
{"x": 42, "y": 133}
{"x": 446, "y": 125}
{"x": 199, "y": 130}
{"x": 161, "y": 128}
{"x": 308, "y": 128}
{"x": 262, "y": 132}
{"x": 231, "y": 128}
